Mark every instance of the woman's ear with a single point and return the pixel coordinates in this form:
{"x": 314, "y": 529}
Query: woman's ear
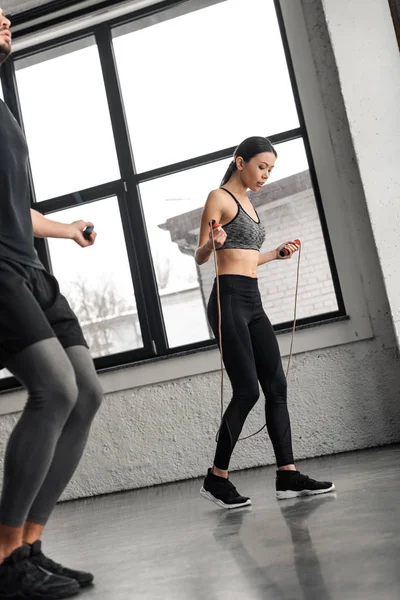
{"x": 240, "y": 163}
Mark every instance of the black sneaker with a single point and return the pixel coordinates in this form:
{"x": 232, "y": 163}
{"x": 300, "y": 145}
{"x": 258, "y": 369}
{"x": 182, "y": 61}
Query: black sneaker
{"x": 222, "y": 492}
{"x": 39, "y": 559}
{"x": 291, "y": 484}
{"x": 21, "y": 578}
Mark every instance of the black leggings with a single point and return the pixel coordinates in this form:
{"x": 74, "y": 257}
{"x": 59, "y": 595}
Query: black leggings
{"x": 251, "y": 355}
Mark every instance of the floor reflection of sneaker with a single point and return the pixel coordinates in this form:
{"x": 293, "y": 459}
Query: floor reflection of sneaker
{"x": 292, "y": 484}
{"x": 222, "y": 492}
{"x": 21, "y": 578}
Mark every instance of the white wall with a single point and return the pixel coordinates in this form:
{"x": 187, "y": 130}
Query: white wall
{"x": 368, "y": 60}
{"x": 159, "y": 422}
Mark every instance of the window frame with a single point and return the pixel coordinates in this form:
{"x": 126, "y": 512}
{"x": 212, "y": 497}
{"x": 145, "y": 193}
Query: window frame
{"x": 155, "y": 343}
{"x": 395, "y": 12}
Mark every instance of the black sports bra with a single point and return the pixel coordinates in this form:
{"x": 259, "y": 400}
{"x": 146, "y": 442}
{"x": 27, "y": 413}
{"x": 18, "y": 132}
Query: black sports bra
{"x": 243, "y": 232}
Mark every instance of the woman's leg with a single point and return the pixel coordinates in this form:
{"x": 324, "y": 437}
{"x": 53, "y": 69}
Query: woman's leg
{"x": 289, "y": 482}
{"x": 273, "y": 383}
{"x": 241, "y": 369}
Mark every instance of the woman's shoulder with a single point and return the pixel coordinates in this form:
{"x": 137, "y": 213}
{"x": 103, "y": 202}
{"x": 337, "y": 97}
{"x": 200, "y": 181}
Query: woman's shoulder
{"x": 217, "y": 195}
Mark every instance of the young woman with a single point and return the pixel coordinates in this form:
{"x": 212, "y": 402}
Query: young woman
{"x": 250, "y": 348}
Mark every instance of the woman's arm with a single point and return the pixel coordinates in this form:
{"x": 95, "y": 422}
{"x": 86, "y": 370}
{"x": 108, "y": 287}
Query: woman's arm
{"x": 267, "y": 257}
{"x": 212, "y": 211}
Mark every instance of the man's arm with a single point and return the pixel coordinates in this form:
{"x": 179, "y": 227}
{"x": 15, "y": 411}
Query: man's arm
{"x": 46, "y": 228}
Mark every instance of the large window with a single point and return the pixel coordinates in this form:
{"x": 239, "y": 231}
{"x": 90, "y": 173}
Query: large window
{"x": 97, "y": 282}
{"x": 207, "y": 79}
{"x": 172, "y": 207}
{"x": 66, "y": 119}
{"x": 130, "y": 125}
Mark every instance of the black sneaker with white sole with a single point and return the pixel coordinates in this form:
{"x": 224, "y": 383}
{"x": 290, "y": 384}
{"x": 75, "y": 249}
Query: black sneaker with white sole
{"x": 222, "y": 492}
{"x": 292, "y": 484}
{"x": 21, "y": 578}
{"x": 38, "y": 558}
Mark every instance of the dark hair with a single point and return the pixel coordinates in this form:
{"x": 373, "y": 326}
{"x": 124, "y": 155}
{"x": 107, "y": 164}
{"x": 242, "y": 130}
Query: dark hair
{"x": 249, "y": 148}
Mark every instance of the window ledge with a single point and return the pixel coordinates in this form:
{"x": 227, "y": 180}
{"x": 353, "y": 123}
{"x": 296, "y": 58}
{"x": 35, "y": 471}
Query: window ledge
{"x": 329, "y": 321}
{"x": 334, "y": 332}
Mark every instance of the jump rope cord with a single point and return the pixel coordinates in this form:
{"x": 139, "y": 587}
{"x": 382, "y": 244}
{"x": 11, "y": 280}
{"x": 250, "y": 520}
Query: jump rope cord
{"x": 220, "y": 332}
{"x": 219, "y": 329}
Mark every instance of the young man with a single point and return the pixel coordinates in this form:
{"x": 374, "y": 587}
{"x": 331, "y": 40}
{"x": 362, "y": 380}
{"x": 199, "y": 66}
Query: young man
{"x": 42, "y": 344}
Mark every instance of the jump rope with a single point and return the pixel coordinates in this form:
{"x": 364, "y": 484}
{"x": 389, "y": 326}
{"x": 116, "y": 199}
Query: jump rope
{"x": 284, "y": 252}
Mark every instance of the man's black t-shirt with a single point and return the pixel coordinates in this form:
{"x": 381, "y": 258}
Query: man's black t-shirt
{"x": 16, "y": 232}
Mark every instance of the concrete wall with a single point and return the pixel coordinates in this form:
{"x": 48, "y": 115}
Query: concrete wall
{"x": 352, "y": 186}
{"x": 367, "y": 57}
{"x": 15, "y": 6}
{"x": 341, "y": 398}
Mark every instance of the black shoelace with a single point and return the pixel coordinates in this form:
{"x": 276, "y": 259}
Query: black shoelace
{"x": 48, "y": 563}
{"x": 231, "y": 491}
{"x": 28, "y": 570}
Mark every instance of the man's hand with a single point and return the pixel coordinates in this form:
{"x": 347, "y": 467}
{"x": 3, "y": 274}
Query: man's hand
{"x": 76, "y": 233}
{"x": 46, "y": 228}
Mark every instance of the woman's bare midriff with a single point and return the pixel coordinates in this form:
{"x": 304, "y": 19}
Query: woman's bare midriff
{"x": 238, "y": 262}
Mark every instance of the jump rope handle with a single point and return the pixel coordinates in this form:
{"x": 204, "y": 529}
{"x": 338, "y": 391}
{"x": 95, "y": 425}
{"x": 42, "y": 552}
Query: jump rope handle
{"x": 214, "y": 224}
{"x": 285, "y": 252}
{"x": 87, "y": 231}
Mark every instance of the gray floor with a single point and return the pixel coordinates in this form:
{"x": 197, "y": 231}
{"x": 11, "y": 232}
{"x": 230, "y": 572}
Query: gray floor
{"x": 168, "y": 543}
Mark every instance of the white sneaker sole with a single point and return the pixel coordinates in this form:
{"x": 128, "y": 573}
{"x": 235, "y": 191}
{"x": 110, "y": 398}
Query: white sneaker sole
{"x": 291, "y": 494}
{"x": 221, "y": 504}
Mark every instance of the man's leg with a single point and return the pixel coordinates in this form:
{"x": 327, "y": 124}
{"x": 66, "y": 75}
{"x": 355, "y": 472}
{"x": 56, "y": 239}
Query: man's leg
{"x": 67, "y": 456}
{"x": 71, "y": 443}
{"x": 47, "y": 373}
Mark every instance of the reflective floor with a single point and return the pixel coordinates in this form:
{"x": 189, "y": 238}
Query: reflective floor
{"x": 168, "y": 543}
